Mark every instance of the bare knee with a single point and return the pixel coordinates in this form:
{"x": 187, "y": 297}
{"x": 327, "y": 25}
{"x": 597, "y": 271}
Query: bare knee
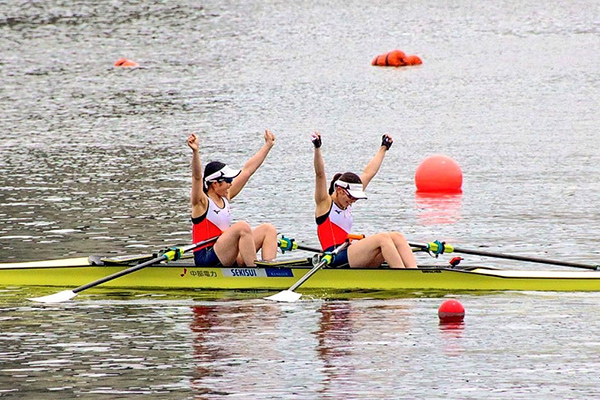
{"x": 397, "y": 236}
{"x": 380, "y": 236}
{"x": 384, "y": 239}
{"x": 242, "y": 227}
{"x": 269, "y": 229}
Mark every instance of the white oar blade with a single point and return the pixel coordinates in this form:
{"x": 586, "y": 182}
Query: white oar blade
{"x": 285, "y": 296}
{"x": 56, "y": 297}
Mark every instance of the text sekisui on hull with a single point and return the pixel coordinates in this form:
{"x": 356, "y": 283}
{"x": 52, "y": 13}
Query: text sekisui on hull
{"x": 183, "y": 275}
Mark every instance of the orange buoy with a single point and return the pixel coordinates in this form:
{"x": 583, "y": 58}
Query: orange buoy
{"x": 451, "y": 311}
{"x": 379, "y": 61}
{"x": 439, "y": 174}
{"x": 123, "y": 62}
{"x": 395, "y": 58}
{"x": 413, "y": 60}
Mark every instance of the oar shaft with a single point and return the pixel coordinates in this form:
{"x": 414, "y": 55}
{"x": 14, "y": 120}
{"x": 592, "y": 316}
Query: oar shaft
{"x": 140, "y": 266}
{"x": 523, "y": 258}
{"x": 307, "y": 275}
{"x": 307, "y": 248}
{"x": 452, "y": 249}
{"x": 119, "y": 274}
{"x": 317, "y": 267}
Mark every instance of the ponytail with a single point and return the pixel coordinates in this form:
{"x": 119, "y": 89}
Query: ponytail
{"x": 348, "y": 177}
{"x": 331, "y": 185}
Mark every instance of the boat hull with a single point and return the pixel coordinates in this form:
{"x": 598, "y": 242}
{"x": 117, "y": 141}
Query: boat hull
{"x": 177, "y": 275}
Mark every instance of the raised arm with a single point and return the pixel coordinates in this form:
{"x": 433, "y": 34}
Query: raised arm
{"x": 373, "y": 166}
{"x": 252, "y": 165}
{"x": 322, "y": 198}
{"x": 198, "y": 198}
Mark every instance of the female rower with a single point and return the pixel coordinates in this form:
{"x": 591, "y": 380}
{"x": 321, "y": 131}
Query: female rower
{"x": 334, "y": 216}
{"x": 211, "y": 216}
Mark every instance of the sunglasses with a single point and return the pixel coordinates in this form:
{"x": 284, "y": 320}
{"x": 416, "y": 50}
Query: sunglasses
{"x": 226, "y": 180}
{"x": 349, "y": 195}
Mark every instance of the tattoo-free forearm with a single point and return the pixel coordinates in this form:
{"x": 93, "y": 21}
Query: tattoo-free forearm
{"x": 373, "y": 166}
{"x": 257, "y": 159}
{"x": 196, "y": 165}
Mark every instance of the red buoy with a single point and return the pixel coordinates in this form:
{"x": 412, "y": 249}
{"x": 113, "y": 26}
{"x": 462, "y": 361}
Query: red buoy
{"x": 439, "y": 174}
{"x": 451, "y": 311}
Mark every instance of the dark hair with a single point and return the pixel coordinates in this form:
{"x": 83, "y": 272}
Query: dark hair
{"x": 349, "y": 177}
{"x": 210, "y": 169}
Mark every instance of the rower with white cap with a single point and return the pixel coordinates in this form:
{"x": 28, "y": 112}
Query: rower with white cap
{"x": 211, "y": 214}
{"x": 333, "y": 215}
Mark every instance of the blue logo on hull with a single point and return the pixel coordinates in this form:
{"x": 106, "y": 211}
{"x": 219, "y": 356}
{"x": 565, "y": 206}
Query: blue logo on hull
{"x": 279, "y": 273}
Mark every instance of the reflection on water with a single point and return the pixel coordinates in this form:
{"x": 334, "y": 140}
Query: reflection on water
{"x": 452, "y": 333}
{"x": 438, "y": 208}
{"x": 350, "y": 338}
{"x": 454, "y": 329}
{"x": 204, "y": 353}
{"x": 335, "y": 344}
{"x": 176, "y": 348}
{"x": 317, "y": 346}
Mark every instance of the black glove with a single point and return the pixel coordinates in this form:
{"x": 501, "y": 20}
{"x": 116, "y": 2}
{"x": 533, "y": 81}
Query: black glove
{"x": 316, "y": 140}
{"x": 386, "y": 141}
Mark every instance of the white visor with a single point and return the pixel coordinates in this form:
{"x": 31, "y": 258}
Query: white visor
{"x": 225, "y": 172}
{"x": 354, "y": 189}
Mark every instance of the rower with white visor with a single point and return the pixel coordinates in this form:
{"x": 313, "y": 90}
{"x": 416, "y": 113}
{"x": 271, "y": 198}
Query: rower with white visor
{"x": 333, "y": 215}
{"x": 237, "y": 243}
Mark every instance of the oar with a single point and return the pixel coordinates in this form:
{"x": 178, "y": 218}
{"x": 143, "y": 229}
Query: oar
{"x": 287, "y": 244}
{"x": 171, "y": 254}
{"x": 441, "y": 248}
{"x": 289, "y": 295}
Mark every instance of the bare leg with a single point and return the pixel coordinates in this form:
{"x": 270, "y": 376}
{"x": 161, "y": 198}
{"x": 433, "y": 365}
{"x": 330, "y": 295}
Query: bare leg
{"x": 236, "y": 239}
{"x": 265, "y": 238}
{"x": 406, "y": 253}
{"x": 373, "y": 250}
